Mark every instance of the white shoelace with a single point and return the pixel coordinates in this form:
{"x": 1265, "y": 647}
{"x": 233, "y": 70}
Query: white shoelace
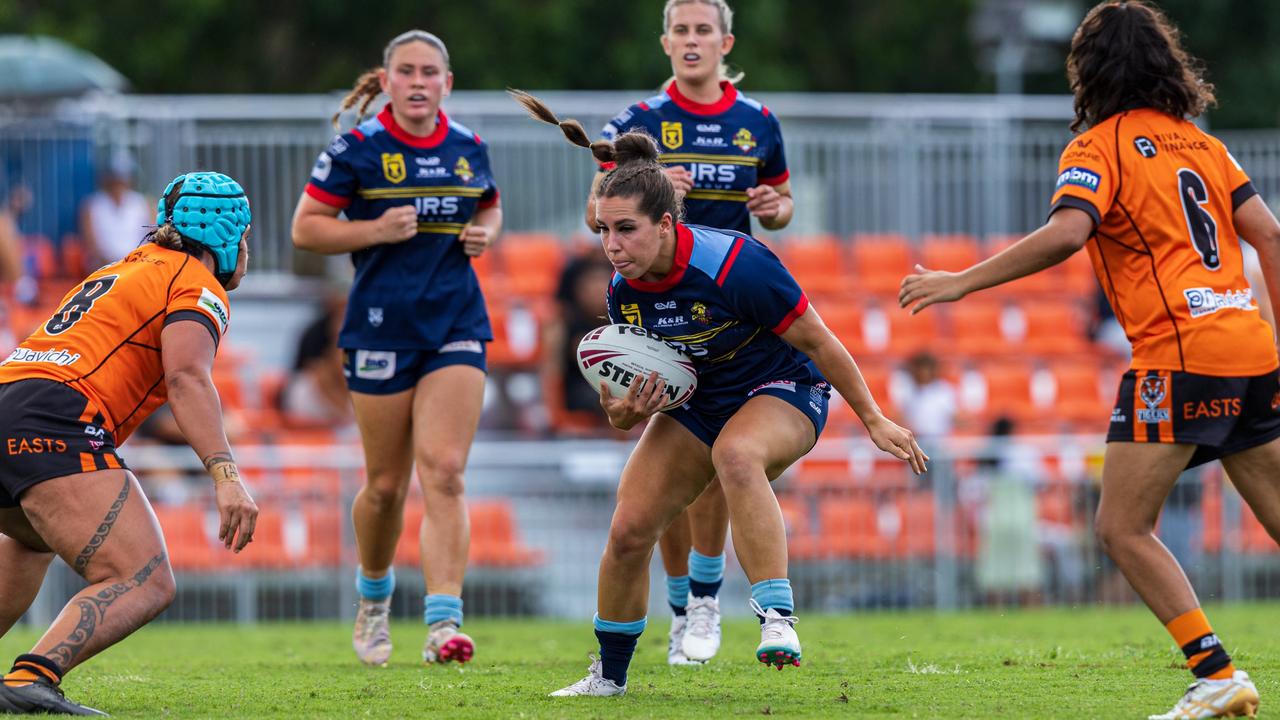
{"x": 771, "y": 624}
{"x": 702, "y": 614}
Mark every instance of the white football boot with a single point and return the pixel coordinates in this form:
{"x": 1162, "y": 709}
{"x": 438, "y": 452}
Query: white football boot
{"x": 594, "y": 684}
{"x": 372, "y": 636}
{"x": 702, "y": 636}
{"x": 779, "y": 644}
{"x": 1233, "y": 697}
{"x": 445, "y": 643}
{"x": 675, "y": 650}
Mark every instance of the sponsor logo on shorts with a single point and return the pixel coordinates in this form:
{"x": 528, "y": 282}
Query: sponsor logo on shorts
{"x": 471, "y": 346}
{"x": 1080, "y": 177}
{"x": 34, "y": 446}
{"x": 375, "y": 364}
{"x": 788, "y": 385}
{"x": 61, "y": 358}
{"x": 1206, "y": 301}
{"x": 212, "y": 304}
{"x": 1118, "y": 416}
{"x": 1216, "y": 408}
{"x": 95, "y": 431}
{"x": 1153, "y": 391}
{"x": 375, "y": 316}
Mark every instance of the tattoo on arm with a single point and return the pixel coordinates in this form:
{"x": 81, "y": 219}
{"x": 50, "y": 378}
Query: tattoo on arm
{"x": 216, "y": 458}
{"x": 99, "y": 537}
{"x": 93, "y": 609}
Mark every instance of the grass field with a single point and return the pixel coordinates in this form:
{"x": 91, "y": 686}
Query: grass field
{"x": 1114, "y": 663}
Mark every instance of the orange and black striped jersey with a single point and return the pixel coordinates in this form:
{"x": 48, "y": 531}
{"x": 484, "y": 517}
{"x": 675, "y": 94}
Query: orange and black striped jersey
{"x": 104, "y": 339}
{"x": 1162, "y": 193}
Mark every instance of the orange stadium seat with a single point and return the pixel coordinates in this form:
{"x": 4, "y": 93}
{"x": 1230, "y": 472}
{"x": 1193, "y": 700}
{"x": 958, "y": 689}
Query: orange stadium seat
{"x": 910, "y": 334}
{"x": 494, "y": 540}
{"x": 880, "y": 262}
{"x": 916, "y": 536}
{"x": 189, "y": 544}
{"x": 849, "y": 528}
{"x": 532, "y": 263}
{"x": 1081, "y": 394}
{"x": 1078, "y": 276}
{"x": 1054, "y": 329}
{"x": 949, "y": 252}
{"x": 1008, "y": 391}
{"x": 977, "y": 328}
{"x": 845, "y": 320}
{"x": 817, "y": 263}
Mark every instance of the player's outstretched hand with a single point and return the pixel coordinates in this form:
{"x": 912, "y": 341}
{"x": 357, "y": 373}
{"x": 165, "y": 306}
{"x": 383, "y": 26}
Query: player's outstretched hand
{"x": 397, "y": 224}
{"x": 927, "y": 287}
{"x": 238, "y": 513}
{"x": 642, "y": 400}
{"x": 681, "y": 178}
{"x": 475, "y": 239}
{"x": 764, "y": 202}
{"x": 898, "y": 442}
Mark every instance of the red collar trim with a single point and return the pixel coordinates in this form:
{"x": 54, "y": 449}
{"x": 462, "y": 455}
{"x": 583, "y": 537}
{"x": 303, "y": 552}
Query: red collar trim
{"x": 684, "y": 248}
{"x": 726, "y": 101}
{"x": 388, "y": 121}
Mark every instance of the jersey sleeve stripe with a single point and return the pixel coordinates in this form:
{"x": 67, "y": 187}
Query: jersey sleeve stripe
{"x": 1242, "y": 194}
{"x": 327, "y": 197}
{"x": 196, "y": 315}
{"x": 1071, "y": 201}
{"x": 485, "y": 204}
{"x": 728, "y": 263}
{"x": 777, "y": 179}
{"x": 793, "y": 315}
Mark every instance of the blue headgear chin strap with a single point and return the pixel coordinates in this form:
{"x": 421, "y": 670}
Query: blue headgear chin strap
{"x": 211, "y": 210}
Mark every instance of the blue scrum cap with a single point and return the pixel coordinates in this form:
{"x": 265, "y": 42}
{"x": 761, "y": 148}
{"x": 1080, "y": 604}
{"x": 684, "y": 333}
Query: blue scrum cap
{"x": 211, "y": 210}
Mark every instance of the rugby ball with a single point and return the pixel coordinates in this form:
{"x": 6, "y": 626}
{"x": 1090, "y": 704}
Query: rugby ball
{"x": 619, "y": 355}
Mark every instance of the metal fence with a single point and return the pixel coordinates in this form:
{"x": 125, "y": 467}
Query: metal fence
{"x": 903, "y": 164}
{"x": 993, "y": 524}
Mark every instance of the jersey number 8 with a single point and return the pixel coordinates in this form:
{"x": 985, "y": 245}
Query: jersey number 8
{"x": 79, "y": 304}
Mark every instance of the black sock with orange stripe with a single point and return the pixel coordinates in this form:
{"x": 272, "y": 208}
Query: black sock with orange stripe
{"x": 1206, "y": 657}
{"x": 29, "y": 668}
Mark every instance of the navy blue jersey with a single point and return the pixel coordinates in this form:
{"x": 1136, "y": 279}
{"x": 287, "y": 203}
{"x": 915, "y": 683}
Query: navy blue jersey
{"x": 421, "y": 293}
{"x": 728, "y": 146}
{"x": 726, "y": 301}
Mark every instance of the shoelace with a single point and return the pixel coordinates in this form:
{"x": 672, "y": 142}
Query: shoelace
{"x": 701, "y": 617}
{"x": 755, "y": 607}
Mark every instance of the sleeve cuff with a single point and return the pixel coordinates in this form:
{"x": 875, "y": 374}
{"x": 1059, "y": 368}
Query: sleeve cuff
{"x": 491, "y": 201}
{"x": 1071, "y": 201}
{"x": 792, "y": 316}
{"x": 1241, "y": 194}
{"x": 327, "y": 197}
{"x": 197, "y": 316}
{"x": 777, "y": 179}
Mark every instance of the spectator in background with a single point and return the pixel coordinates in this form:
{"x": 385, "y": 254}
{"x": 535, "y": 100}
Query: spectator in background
{"x": 316, "y": 396}
{"x": 927, "y": 401}
{"x": 1009, "y": 567}
{"x": 579, "y": 309}
{"x": 111, "y": 219}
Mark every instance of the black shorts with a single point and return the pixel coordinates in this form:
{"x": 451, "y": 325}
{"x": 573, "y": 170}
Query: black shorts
{"x": 1222, "y": 415}
{"x": 49, "y": 430}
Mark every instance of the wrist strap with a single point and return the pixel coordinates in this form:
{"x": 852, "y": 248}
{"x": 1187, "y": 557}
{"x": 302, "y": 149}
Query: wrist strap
{"x": 224, "y": 472}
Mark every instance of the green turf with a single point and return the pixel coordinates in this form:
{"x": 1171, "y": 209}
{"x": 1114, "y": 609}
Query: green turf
{"x": 1096, "y": 663}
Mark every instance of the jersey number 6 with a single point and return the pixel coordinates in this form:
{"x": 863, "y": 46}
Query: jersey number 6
{"x": 79, "y": 304}
{"x": 1203, "y": 229}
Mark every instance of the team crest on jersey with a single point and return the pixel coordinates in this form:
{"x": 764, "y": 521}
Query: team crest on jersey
{"x": 1152, "y": 392}
{"x": 699, "y": 313}
{"x": 672, "y": 134}
{"x": 631, "y": 313}
{"x": 462, "y": 169}
{"x": 744, "y": 140}
{"x": 393, "y": 167}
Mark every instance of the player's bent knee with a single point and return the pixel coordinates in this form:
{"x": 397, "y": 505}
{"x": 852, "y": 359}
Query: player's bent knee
{"x": 736, "y": 464}
{"x": 629, "y": 538}
{"x": 442, "y": 475}
{"x": 385, "y": 493}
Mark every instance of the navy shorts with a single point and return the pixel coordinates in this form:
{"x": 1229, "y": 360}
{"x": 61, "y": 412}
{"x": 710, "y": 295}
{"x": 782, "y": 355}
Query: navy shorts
{"x": 384, "y": 372}
{"x": 811, "y": 400}
{"x": 1222, "y": 415}
{"x": 48, "y": 430}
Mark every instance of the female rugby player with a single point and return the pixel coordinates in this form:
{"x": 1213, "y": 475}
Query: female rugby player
{"x": 420, "y": 202}
{"x": 723, "y": 152}
{"x": 1161, "y": 207}
{"x": 133, "y": 334}
{"x": 764, "y": 360}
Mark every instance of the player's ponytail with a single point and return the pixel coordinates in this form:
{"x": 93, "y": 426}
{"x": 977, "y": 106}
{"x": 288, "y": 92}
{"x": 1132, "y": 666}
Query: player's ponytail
{"x": 366, "y": 90}
{"x": 637, "y": 172}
